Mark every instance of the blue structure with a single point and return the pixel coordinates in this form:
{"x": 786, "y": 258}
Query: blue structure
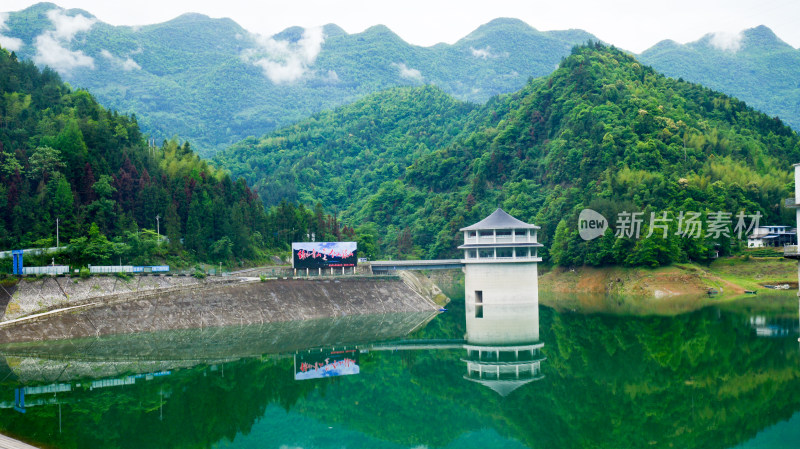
{"x": 17, "y": 255}
{"x": 19, "y": 399}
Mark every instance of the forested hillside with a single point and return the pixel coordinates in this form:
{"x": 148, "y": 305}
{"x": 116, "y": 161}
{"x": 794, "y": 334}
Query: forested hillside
{"x": 603, "y": 131}
{"x": 340, "y": 156}
{"x": 755, "y": 66}
{"x": 63, "y": 156}
{"x": 213, "y": 83}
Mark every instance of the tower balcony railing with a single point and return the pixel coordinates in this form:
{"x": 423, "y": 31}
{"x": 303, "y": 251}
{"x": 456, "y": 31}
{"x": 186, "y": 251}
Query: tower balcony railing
{"x": 501, "y": 239}
{"x": 503, "y": 258}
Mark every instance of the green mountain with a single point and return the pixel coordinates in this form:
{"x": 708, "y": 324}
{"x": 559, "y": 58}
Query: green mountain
{"x": 213, "y": 83}
{"x": 755, "y": 66}
{"x": 339, "y": 156}
{"x": 603, "y": 131}
{"x": 64, "y": 157}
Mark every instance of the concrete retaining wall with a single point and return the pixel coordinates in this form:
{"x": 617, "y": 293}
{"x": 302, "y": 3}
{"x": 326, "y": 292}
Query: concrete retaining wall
{"x": 34, "y": 295}
{"x": 217, "y": 305}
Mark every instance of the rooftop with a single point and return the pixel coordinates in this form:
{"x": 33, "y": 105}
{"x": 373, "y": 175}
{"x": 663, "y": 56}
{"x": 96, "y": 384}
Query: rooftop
{"x": 499, "y": 219}
{"x": 504, "y": 387}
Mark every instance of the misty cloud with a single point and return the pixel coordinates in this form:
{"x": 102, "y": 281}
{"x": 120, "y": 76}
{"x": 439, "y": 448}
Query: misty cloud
{"x": 7, "y": 42}
{"x": 408, "y": 73}
{"x": 51, "y": 45}
{"x": 332, "y": 77}
{"x": 284, "y": 61}
{"x": 725, "y": 41}
{"x": 126, "y": 64}
{"x": 486, "y": 53}
{"x": 483, "y": 53}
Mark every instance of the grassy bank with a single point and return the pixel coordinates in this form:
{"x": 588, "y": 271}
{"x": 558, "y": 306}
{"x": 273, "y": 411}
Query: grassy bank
{"x": 667, "y": 290}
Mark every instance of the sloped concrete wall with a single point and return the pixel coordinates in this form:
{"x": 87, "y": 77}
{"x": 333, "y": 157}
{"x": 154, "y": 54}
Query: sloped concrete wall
{"x": 217, "y": 305}
{"x": 34, "y": 295}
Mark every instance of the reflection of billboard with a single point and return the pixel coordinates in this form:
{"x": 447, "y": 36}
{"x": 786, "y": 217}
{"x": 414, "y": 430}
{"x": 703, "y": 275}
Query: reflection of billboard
{"x": 316, "y": 365}
{"x": 324, "y": 254}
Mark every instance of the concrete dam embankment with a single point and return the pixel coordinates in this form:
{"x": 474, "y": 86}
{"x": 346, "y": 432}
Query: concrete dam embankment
{"x": 202, "y": 304}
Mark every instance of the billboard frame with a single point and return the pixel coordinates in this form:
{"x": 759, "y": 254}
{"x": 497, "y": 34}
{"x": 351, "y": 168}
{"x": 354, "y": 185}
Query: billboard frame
{"x": 324, "y": 255}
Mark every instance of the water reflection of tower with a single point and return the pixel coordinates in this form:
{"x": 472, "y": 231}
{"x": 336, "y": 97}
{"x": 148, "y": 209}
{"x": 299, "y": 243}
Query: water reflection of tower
{"x": 502, "y": 302}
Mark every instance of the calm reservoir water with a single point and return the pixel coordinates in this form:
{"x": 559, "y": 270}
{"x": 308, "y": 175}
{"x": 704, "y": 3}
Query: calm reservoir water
{"x": 708, "y": 379}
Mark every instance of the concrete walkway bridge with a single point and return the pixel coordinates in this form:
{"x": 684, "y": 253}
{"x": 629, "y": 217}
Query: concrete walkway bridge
{"x": 389, "y": 266}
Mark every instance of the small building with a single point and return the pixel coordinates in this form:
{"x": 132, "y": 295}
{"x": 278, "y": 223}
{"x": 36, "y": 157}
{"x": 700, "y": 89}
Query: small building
{"x": 500, "y": 238}
{"x": 772, "y": 236}
{"x": 500, "y": 263}
{"x": 504, "y": 368}
{"x": 502, "y": 302}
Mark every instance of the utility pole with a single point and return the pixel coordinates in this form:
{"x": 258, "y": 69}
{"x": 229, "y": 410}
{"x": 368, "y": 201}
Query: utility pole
{"x": 158, "y": 228}
{"x": 57, "y": 242}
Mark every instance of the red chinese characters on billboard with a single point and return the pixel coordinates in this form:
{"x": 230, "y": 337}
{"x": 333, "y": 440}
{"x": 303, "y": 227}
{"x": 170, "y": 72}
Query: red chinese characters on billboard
{"x": 315, "y": 365}
{"x": 324, "y": 254}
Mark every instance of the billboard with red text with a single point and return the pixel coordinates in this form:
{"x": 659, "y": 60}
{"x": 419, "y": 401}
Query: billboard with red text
{"x": 324, "y": 254}
{"x": 328, "y": 363}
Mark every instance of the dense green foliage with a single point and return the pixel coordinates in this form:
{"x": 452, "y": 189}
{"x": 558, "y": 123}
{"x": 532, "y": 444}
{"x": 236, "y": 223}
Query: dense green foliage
{"x": 756, "y": 67}
{"x": 63, "y": 156}
{"x": 338, "y": 156}
{"x": 602, "y": 132}
{"x": 193, "y": 76}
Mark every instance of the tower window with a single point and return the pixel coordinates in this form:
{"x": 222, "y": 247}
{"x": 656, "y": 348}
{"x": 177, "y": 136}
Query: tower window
{"x": 504, "y": 253}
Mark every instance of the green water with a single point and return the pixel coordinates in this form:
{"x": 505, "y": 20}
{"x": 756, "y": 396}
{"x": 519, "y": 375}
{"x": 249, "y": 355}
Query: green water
{"x": 708, "y": 379}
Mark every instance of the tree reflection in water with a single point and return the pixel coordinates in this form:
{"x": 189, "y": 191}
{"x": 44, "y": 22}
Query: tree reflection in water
{"x": 704, "y": 379}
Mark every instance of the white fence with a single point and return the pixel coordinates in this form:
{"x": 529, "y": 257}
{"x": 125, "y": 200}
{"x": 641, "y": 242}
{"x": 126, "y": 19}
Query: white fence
{"x": 128, "y": 269}
{"x": 48, "y": 269}
{"x": 94, "y": 269}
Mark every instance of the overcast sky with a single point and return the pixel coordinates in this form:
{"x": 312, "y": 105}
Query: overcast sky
{"x": 633, "y": 25}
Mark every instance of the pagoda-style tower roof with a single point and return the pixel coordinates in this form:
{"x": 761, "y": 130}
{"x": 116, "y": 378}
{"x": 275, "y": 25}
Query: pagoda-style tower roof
{"x": 500, "y": 238}
{"x": 504, "y": 368}
{"x": 504, "y": 387}
{"x": 499, "y": 219}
